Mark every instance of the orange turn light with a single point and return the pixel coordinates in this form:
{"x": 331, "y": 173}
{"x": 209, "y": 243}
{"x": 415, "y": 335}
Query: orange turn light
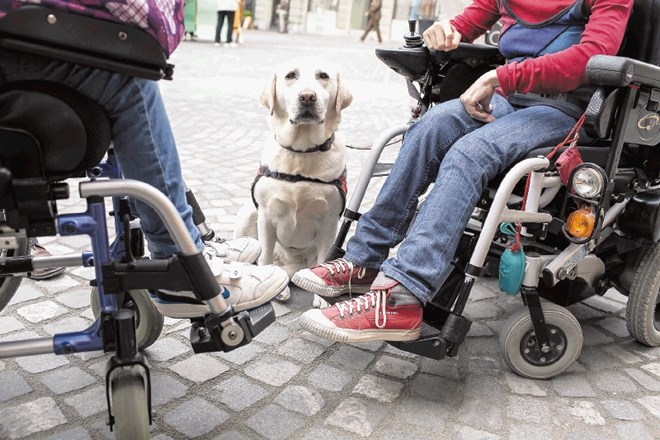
{"x": 581, "y": 222}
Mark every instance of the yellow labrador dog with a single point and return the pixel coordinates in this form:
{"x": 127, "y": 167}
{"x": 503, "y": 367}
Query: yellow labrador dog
{"x": 299, "y": 193}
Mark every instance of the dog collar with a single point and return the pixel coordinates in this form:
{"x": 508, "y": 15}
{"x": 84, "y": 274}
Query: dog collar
{"x": 325, "y": 146}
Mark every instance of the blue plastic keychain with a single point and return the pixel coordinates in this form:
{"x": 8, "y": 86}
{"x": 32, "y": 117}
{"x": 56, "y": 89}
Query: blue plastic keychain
{"x": 512, "y": 264}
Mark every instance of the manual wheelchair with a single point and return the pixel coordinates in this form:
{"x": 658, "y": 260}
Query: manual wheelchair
{"x": 49, "y": 133}
{"x": 617, "y": 187}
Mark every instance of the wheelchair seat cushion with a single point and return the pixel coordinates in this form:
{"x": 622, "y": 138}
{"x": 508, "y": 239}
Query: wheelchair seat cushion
{"x": 73, "y": 131}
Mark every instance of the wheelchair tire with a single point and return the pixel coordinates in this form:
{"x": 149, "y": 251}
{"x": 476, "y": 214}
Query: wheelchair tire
{"x": 149, "y": 321}
{"x": 129, "y": 404}
{"x": 518, "y": 328}
{"x": 643, "y": 309}
{"x": 9, "y": 285}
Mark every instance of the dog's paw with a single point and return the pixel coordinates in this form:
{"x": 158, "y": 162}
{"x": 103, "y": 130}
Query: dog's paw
{"x": 284, "y": 296}
{"x": 320, "y": 303}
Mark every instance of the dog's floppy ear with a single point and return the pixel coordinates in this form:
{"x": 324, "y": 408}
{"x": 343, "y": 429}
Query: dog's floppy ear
{"x": 344, "y": 97}
{"x": 268, "y": 95}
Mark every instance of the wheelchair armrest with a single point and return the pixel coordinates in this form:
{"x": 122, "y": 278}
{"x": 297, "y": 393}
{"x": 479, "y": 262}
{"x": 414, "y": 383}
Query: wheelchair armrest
{"x": 472, "y": 54}
{"x": 600, "y": 113}
{"x": 84, "y": 40}
{"x": 606, "y": 70}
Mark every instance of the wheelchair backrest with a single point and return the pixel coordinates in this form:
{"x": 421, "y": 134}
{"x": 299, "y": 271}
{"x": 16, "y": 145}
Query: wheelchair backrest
{"x": 642, "y": 41}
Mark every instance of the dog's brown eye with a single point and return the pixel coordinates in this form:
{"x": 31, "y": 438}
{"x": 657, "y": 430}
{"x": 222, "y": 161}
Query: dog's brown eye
{"x": 323, "y": 75}
{"x": 291, "y": 75}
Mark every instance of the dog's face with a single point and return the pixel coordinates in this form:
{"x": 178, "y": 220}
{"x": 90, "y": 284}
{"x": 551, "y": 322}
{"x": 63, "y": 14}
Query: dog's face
{"x": 306, "y": 92}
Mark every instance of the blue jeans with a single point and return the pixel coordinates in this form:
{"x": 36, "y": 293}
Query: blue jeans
{"x": 141, "y": 133}
{"x": 460, "y": 155}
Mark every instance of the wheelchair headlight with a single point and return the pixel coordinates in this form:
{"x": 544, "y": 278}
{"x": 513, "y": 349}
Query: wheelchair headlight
{"x": 588, "y": 181}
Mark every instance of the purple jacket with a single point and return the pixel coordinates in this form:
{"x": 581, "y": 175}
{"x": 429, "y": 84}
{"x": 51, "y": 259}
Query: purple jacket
{"x": 163, "y": 19}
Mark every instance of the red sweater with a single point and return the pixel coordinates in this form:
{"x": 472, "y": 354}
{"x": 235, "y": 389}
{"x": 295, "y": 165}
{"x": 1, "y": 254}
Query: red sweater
{"x": 552, "y": 73}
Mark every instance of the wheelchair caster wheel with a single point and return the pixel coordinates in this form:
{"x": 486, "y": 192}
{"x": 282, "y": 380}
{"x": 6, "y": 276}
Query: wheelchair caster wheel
{"x": 9, "y": 285}
{"x": 148, "y": 320}
{"x": 520, "y": 350}
{"x": 643, "y": 309}
{"x": 129, "y": 404}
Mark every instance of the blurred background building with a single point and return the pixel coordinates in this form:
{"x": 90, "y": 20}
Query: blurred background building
{"x": 331, "y": 17}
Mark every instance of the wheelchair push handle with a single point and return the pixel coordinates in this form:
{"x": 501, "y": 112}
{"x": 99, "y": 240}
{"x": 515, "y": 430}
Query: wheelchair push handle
{"x": 206, "y": 286}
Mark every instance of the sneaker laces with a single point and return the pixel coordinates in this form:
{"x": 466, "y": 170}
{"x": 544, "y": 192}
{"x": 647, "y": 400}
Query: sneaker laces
{"x": 375, "y": 299}
{"x": 342, "y": 265}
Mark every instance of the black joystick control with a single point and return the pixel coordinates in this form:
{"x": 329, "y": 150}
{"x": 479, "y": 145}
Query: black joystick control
{"x": 413, "y": 39}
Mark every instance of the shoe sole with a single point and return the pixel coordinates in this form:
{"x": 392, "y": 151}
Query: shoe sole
{"x": 326, "y": 291}
{"x": 52, "y": 273}
{"x": 179, "y": 310}
{"x": 347, "y": 335}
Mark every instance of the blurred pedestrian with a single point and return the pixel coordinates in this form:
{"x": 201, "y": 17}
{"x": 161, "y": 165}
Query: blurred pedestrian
{"x": 190, "y": 18}
{"x": 373, "y": 20}
{"x": 414, "y": 9}
{"x": 226, "y": 9}
{"x": 238, "y": 23}
{"x": 281, "y": 10}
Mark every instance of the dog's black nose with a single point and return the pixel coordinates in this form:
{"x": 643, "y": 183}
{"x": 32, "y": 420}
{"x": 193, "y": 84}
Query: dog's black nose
{"x": 307, "y": 97}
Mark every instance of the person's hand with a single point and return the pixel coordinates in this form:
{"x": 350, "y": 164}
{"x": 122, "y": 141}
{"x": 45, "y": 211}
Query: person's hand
{"x": 476, "y": 99}
{"x": 442, "y": 36}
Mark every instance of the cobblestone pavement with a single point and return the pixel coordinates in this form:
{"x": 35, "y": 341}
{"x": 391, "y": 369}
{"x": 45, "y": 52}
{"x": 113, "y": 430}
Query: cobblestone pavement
{"x": 288, "y": 383}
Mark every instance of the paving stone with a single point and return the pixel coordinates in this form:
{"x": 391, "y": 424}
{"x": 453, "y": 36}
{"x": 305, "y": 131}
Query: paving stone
{"x": 615, "y": 326}
{"x": 66, "y": 325}
{"x": 425, "y": 414}
{"x": 622, "y": 354}
{"x": 329, "y": 378}
{"x": 584, "y": 313}
{"x": 300, "y": 350}
{"x": 395, "y": 367}
{"x": 485, "y": 365}
{"x": 622, "y": 410}
{"x": 60, "y": 283}
{"x": 237, "y": 393}
{"x": 652, "y": 368}
{"x": 595, "y": 359}
{"x": 41, "y": 311}
{"x": 480, "y": 291}
{"x": 581, "y": 411}
{"x": 12, "y": 385}
{"x": 481, "y": 413}
{"x": 301, "y": 399}
{"x": 273, "y": 335}
{"x": 613, "y": 382}
{"x": 280, "y": 309}
{"x": 393, "y": 350}
{"x": 526, "y": 431}
{"x": 358, "y": 416}
{"x": 62, "y": 381}
{"x": 370, "y": 346}
{"x": 199, "y": 368}
{"x": 88, "y": 402}
{"x": 652, "y": 404}
{"x": 592, "y": 336}
{"x": 272, "y": 371}
{"x": 521, "y": 385}
{"x": 9, "y": 324}
{"x": 72, "y": 434}
{"x": 379, "y": 388}
{"x": 352, "y": 357}
{"x": 604, "y": 304}
{"x": 479, "y": 330}
{"x": 468, "y": 433}
{"x": 317, "y": 340}
{"x": 436, "y": 388}
{"x": 26, "y": 292}
{"x": 75, "y": 299}
{"x": 165, "y": 389}
{"x": 195, "y": 417}
{"x": 275, "y": 423}
{"x": 41, "y": 363}
{"x": 481, "y": 310}
{"x": 165, "y": 349}
{"x": 572, "y": 386}
{"x": 323, "y": 434}
{"x": 529, "y": 410}
{"x": 446, "y": 368}
{"x": 2, "y": 366}
{"x": 231, "y": 435}
{"x": 481, "y": 346}
{"x": 632, "y": 431}
{"x": 242, "y": 355}
{"x": 30, "y": 418}
{"x": 644, "y": 379}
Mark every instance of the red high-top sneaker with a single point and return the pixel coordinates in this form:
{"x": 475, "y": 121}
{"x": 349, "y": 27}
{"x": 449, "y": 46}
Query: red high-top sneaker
{"x": 335, "y": 278}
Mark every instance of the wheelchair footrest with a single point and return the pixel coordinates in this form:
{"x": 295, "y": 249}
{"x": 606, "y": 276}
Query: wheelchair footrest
{"x": 430, "y": 344}
{"x": 221, "y": 333}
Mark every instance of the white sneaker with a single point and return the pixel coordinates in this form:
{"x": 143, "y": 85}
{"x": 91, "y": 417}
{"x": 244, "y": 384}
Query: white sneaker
{"x": 241, "y": 249}
{"x": 244, "y": 286}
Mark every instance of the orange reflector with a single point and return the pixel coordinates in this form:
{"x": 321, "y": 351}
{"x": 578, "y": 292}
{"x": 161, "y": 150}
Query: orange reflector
{"x": 580, "y": 223}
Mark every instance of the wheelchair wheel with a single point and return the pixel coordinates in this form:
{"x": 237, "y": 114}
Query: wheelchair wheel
{"x": 9, "y": 285}
{"x": 519, "y": 347}
{"x": 149, "y": 321}
{"x": 643, "y": 309}
{"x": 129, "y": 404}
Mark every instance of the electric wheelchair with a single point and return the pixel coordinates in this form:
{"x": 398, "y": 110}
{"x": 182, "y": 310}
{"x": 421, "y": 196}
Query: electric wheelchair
{"x": 49, "y": 133}
{"x": 615, "y": 191}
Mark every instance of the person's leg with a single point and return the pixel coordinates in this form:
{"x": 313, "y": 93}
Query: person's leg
{"x": 218, "y": 26}
{"x": 230, "y": 25}
{"x": 377, "y": 27}
{"x": 423, "y": 260}
{"x": 366, "y": 30}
